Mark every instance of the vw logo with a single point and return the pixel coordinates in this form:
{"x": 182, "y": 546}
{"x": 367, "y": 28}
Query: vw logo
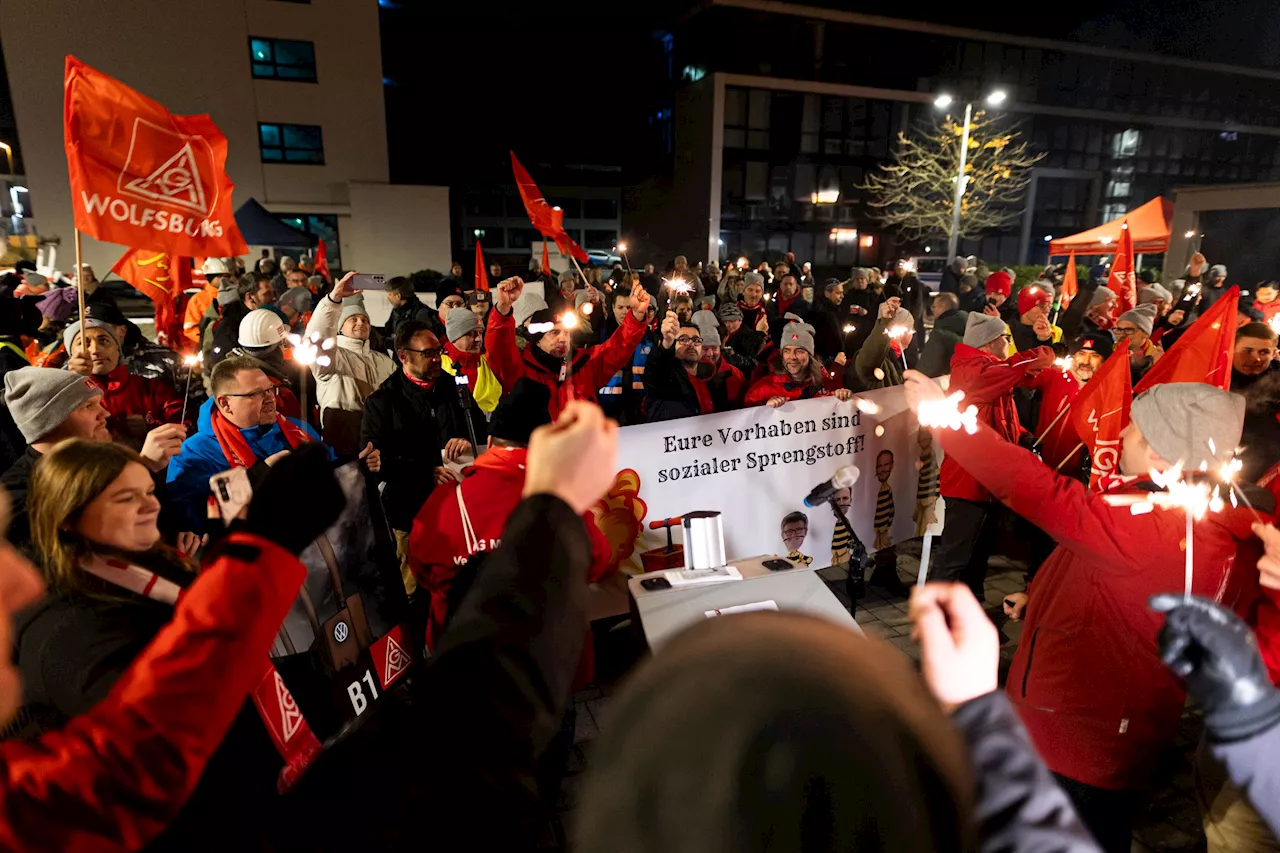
{"x": 340, "y": 632}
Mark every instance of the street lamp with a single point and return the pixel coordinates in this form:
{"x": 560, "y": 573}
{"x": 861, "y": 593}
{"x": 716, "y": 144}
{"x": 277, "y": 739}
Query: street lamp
{"x": 943, "y": 101}
{"x": 8, "y": 153}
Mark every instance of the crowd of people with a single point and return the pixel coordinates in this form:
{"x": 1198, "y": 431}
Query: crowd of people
{"x": 485, "y": 424}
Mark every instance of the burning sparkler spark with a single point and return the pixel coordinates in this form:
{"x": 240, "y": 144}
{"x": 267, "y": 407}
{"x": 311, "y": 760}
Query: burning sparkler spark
{"x": 310, "y": 350}
{"x": 193, "y": 360}
{"x": 569, "y": 320}
{"x": 866, "y": 406}
{"x": 849, "y": 328}
{"x": 898, "y": 332}
{"x": 678, "y": 285}
{"x": 946, "y": 414}
{"x": 587, "y": 308}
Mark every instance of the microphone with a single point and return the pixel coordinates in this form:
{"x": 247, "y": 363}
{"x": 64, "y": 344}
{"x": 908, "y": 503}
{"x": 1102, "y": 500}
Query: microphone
{"x": 843, "y": 478}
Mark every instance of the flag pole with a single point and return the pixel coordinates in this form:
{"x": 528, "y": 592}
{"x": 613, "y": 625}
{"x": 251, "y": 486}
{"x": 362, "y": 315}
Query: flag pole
{"x": 79, "y": 276}
{"x": 1053, "y": 424}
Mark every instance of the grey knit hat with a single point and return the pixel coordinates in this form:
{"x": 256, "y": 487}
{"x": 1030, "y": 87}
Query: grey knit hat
{"x": 1218, "y": 271}
{"x": 1101, "y": 295}
{"x": 904, "y": 318}
{"x": 1190, "y": 422}
{"x": 711, "y": 337}
{"x": 752, "y": 278}
{"x": 1152, "y": 292}
{"x": 351, "y": 307}
{"x": 1144, "y": 317}
{"x": 41, "y": 398}
{"x": 459, "y": 322}
{"x": 981, "y": 329}
{"x": 797, "y": 334}
{"x": 69, "y": 333}
{"x": 706, "y": 322}
{"x": 729, "y": 312}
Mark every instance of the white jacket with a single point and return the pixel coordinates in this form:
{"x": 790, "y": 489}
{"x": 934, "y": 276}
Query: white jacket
{"x": 355, "y": 370}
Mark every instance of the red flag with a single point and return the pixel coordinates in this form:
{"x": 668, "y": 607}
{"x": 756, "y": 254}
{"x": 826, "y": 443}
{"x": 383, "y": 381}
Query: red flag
{"x": 1123, "y": 280}
{"x": 1101, "y": 412}
{"x": 161, "y": 279}
{"x": 142, "y": 177}
{"x": 1203, "y": 353}
{"x": 322, "y": 261}
{"x": 482, "y": 274}
{"x": 1070, "y": 287}
{"x": 546, "y": 259}
{"x": 547, "y": 219}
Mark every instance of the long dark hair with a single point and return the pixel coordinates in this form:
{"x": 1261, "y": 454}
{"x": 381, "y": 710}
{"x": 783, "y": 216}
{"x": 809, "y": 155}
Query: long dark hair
{"x": 814, "y": 370}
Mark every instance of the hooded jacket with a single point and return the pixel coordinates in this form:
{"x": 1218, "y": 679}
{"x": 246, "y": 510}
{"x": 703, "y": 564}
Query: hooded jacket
{"x": 202, "y": 457}
{"x": 592, "y": 366}
{"x": 1087, "y": 679}
{"x": 355, "y": 370}
{"x": 948, "y": 330}
{"x": 988, "y": 383}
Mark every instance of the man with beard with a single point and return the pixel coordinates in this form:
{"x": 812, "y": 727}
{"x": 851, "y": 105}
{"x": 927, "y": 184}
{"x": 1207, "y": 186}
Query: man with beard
{"x": 795, "y": 374}
{"x": 675, "y": 378}
{"x": 544, "y": 360}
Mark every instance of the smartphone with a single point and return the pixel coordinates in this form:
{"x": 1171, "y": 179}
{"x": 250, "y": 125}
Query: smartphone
{"x": 778, "y": 565}
{"x": 655, "y": 584}
{"x": 368, "y": 281}
{"x": 232, "y": 492}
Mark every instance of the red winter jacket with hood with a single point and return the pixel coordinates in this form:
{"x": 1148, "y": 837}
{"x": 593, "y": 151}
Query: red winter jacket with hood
{"x": 593, "y": 367}
{"x": 123, "y": 394}
{"x": 1086, "y": 679}
{"x": 988, "y": 383}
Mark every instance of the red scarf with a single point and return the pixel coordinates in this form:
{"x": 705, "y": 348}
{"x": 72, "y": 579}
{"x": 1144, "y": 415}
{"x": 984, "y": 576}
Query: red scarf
{"x": 236, "y": 449}
{"x": 424, "y": 384}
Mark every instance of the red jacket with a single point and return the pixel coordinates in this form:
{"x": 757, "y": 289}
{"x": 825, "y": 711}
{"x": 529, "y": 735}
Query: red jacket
{"x": 439, "y": 546}
{"x": 1058, "y": 390}
{"x": 1086, "y": 678}
{"x": 781, "y": 385}
{"x": 123, "y": 394}
{"x": 988, "y": 383}
{"x": 114, "y": 777}
{"x": 593, "y": 367}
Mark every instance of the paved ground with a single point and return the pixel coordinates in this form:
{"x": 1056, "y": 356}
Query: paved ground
{"x": 1170, "y": 823}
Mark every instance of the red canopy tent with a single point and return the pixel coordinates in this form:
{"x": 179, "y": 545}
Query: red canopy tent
{"x": 1148, "y": 226}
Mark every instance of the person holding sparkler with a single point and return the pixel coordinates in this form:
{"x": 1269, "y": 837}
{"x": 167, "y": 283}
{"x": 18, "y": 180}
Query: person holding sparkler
{"x": 1087, "y": 678}
{"x": 795, "y": 373}
{"x": 550, "y": 359}
{"x": 880, "y": 362}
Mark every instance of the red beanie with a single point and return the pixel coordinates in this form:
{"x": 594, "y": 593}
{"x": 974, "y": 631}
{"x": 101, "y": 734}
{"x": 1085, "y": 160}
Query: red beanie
{"x": 1000, "y": 282}
{"x": 1031, "y": 296}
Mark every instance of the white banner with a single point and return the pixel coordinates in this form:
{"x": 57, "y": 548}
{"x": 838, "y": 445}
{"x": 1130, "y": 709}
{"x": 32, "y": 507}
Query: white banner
{"x": 757, "y": 465}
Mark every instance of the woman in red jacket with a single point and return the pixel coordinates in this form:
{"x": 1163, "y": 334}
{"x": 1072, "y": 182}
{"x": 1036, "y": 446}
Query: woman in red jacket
{"x": 115, "y": 776}
{"x": 795, "y": 373}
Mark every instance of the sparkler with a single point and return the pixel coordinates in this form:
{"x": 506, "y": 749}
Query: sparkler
{"x": 587, "y": 308}
{"x": 897, "y": 333}
{"x": 849, "y": 328}
{"x": 570, "y": 321}
{"x": 622, "y": 250}
{"x": 678, "y": 285}
{"x": 866, "y": 406}
{"x": 946, "y": 414}
{"x": 191, "y": 362}
{"x": 1274, "y": 323}
{"x": 306, "y": 352}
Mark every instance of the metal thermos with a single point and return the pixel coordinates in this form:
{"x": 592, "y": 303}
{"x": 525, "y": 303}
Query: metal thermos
{"x": 703, "y": 540}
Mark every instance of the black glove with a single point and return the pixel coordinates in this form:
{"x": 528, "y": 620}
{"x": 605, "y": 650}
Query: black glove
{"x": 297, "y": 501}
{"x": 1217, "y": 654}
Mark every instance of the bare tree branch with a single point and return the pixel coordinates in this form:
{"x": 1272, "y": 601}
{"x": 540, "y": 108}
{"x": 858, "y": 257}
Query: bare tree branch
{"x": 914, "y": 193}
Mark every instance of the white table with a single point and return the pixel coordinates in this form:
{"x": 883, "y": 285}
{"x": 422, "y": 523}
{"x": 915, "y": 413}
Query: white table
{"x": 664, "y": 613}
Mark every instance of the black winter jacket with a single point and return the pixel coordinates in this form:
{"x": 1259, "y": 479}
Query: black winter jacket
{"x": 409, "y": 425}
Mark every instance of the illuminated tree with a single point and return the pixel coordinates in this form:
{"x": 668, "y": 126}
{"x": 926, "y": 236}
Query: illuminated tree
{"x": 915, "y": 193}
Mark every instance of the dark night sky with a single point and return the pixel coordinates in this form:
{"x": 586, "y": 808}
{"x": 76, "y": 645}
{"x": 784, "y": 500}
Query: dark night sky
{"x": 568, "y": 80}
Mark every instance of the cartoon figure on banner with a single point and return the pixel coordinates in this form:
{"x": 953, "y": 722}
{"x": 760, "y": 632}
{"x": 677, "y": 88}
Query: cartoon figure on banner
{"x": 842, "y": 536}
{"x": 795, "y": 527}
{"x": 926, "y": 484}
{"x": 618, "y": 516}
{"x": 883, "y": 521}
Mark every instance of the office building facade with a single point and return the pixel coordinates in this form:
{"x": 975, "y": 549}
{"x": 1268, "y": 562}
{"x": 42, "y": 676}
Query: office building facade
{"x": 296, "y": 86}
{"x": 817, "y": 103}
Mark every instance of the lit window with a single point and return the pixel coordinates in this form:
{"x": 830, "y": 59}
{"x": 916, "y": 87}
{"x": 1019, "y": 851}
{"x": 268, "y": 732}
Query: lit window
{"x": 282, "y": 59}
{"x": 291, "y": 143}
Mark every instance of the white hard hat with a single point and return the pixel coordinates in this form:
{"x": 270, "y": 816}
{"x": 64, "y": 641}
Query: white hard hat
{"x": 262, "y": 327}
{"x": 218, "y": 266}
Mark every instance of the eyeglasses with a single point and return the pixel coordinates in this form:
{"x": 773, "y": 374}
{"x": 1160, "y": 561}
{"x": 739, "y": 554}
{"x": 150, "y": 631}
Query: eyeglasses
{"x": 685, "y": 339}
{"x": 453, "y": 303}
{"x": 434, "y": 352}
{"x": 1125, "y": 332}
{"x": 260, "y": 394}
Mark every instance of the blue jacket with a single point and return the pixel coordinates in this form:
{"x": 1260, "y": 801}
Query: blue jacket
{"x": 202, "y": 457}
